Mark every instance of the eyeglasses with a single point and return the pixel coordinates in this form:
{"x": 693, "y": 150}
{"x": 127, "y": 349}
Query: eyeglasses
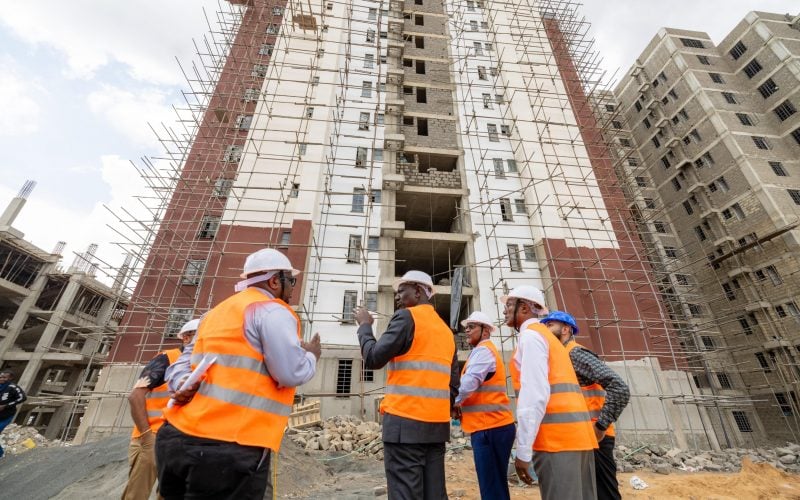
{"x": 291, "y": 279}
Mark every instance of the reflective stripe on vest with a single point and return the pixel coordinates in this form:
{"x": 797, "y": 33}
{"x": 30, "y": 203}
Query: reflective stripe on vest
{"x": 566, "y": 425}
{"x": 238, "y": 401}
{"x": 157, "y": 398}
{"x": 418, "y": 382}
{"x": 488, "y": 407}
{"x": 594, "y": 394}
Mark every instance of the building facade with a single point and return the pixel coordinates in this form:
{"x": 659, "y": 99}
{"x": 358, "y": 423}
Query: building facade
{"x": 366, "y": 139}
{"x": 708, "y": 136}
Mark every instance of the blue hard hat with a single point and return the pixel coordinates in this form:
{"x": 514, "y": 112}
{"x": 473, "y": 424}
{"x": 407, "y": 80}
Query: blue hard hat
{"x": 563, "y": 317}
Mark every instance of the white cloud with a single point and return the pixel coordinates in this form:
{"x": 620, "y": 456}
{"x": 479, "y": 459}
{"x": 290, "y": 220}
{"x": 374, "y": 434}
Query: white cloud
{"x": 21, "y": 111}
{"x": 145, "y": 35}
{"x": 45, "y": 222}
{"x": 130, "y": 112}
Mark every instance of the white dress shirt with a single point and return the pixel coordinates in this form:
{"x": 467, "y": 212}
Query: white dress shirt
{"x": 481, "y": 362}
{"x": 271, "y": 330}
{"x": 531, "y": 357}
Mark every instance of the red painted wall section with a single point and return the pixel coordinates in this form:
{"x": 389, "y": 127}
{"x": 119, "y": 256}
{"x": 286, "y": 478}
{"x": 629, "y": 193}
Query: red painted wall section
{"x": 159, "y": 287}
{"x": 611, "y": 292}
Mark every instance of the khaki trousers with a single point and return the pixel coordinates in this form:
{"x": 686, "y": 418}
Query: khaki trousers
{"x": 142, "y": 473}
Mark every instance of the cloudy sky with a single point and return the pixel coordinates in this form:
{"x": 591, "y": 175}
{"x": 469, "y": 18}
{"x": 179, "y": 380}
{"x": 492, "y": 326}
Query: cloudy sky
{"x": 81, "y": 80}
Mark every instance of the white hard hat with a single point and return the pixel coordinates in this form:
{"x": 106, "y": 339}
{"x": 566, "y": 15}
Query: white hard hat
{"x": 190, "y": 326}
{"x": 528, "y": 293}
{"x": 479, "y": 317}
{"x": 267, "y": 259}
{"x": 417, "y": 277}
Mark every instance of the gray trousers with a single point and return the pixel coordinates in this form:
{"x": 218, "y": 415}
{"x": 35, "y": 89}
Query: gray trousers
{"x": 566, "y": 475}
{"x": 415, "y": 471}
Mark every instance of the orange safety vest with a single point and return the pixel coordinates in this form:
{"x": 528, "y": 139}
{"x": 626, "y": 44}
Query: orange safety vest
{"x": 238, "y": 401}
{"x": 488, "y": 407}
{"x": 594, "y": 394}
{"x": 514, "y": 371}
{"x": 567, "y": 425}
{"x": 418, "y": 382}
{"x": 157, "y": 399}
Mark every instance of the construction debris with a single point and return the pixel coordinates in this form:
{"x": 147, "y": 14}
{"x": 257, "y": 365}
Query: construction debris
{"x": 664, "y": 460}
{"x": 16, "y": 439}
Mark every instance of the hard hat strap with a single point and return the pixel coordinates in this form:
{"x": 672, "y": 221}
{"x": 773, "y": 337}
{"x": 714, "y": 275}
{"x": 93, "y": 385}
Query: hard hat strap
{"x": 252, "y": 281}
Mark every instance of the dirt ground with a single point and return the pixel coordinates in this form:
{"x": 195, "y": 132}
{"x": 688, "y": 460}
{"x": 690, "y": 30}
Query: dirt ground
{"x": 755, "y": 481}
{"x": 99, "y": 470}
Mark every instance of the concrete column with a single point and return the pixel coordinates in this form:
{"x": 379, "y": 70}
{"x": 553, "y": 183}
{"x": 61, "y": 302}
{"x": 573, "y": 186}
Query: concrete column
{"x": 21, "y": 316}
{"x": 60, "y": 417}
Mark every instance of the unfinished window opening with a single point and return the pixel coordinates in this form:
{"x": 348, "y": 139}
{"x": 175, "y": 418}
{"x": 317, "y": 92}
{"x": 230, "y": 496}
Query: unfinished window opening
{"x": 422, "y": 95}
{"x": 408, "y": 121}
{"x": 422, "y": 126}
{"x": 419, "y": 20}
{"x": 419, "y": 42}
{"x": 420, "y": 67}
{"x": 344, "y": 374}
{"x": 208, "y": 227}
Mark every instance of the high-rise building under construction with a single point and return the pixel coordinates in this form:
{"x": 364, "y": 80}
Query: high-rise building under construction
{"x": 368, "y": 138}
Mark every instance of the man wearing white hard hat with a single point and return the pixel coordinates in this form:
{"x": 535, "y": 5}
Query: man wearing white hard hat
{"x": 238, "y": 411}
{"x": 484, "y": 408}
{"x": 147, "y": 401}
{"x": 552, "y": 416}
{"x": 419, "y": 352}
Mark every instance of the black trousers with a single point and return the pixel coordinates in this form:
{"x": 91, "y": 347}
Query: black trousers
{"x": 197, "y": 468}
{"x": 414, "y": 471}
{"x": 605, "y": 470}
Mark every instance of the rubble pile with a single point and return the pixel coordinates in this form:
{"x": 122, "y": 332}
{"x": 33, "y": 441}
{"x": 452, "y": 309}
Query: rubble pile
{"x": 16, "y": 439}
{"x": 663, "y": 460}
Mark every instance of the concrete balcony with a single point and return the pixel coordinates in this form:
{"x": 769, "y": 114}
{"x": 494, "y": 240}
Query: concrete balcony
{"x": 394, "y": 142}
{"x": 393, "y": 181}
{"x": 395, "y": 105}
{"x": 395, "y": 76}
{"x": 392, "y": 228}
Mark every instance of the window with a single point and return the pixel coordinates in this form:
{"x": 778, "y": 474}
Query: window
{"x": 784, "y": 405}
{"x": 746, "y": 328}
{"x": 243, "y": 122}
{"x": 361, "y": 157}
{"x": 784, "y": 110}
{"x": 176, "y": 318}
{"x": 724, "y": 381}
{"x": 684, "y": 114}
{"x": 737, "y": 50}
{"x": 762, "y": 362}
{"x": 487, "y": 101}
{"x": 492, "y": 130}
{"x": 632, "y": 162}
{"x": 366, "y": 89}
{"x": 722, "y": 184}
{"x": 419, "y": 20}
{"x": 676, "y": 184}
{"x": 610, "y": 108}
{"x": 315, "y": 81}
{"x": 375, "y": 196}
{"x": 505, "y": 130}
{"x": 478, "y": 46}
{"x": 358, "y": 200}
{"x": 310, "y": 112}
{"x": 419, "y": 42}
{"x": 660, "y": 226}
{"x": 329, "y": 6}
{"x": 780, "y": 311}
{"x": 729, "y": 98}
{"x": 222, "y": 187}
{"x": 695, "y": 135}
{"x": 373, "y": 243}
{"x": 704, "y": 60}
{"x": 519, "y": 206}
{"x": 250, "y": 95}
{"x": 624, "y": 142}
{"x": 530, "y": 252}
{"x": 649, "y": 203}
{"x": 671, "y": 252}
{"x": 752, "y": 68}
{"x": 682, "y": 279}
{"x": 656, "y": 142}
{"x": 488, "y": 46}
{"x": 688, "y": 207}
{"x": 505, "y": 210}
{"x": 208, "y": 227}
{"x": 369, "y": 61}
{"x": 422, "y": 95}
{"x": 193, "y": 272}
{"x": 638, "y": 106}
{"x": 616, "y": 124}
{"x": 408, "y": 121}
{"x": 777, "y": 167}
{"x": 795, "y": 195}
{"x": 273, "y": 29}
{"x": 695, "y": 309}
{"x": 295, "y": 191}
{"x": 729, "y": 293}
{"x": 422, "y": 126}
{"x": 641, "y": 181}
{"x": 513, "y": 258}
{"x": 473, "y": 25}
{"x": 482, "y": 73}
{"x": 344, "y": 372}
{"x": 646, "y": 122}
{"x": 716, "y": 78}
{"x": 761, "y": 142}
{"x": 302, "y": 148}
{"x": 470, "y": 6}
{"x": 700, "y": 233}
{"x": 354, "y": 249}
{"x": 665, "y": 162}
{"x": 266, "y": 49}
{"x": 708, "y": 343}
{"x": 498, "y": 167}
{"x": 377, "y": 154}
{"x": 742, "y": 422}
{"x": 232, "y": 154}
{"x": 277, "y": 11}
{"x": 774, "y": 276}
{"x": 796, "y": 135}
{"x": 690, "y": 42}
{"x": 767, "y": 88}
{"x": 363, "y": 121}
{"x": 419, "y": 67}
{"x": 512, "y": 166}
{"x": 370, "y": 35}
